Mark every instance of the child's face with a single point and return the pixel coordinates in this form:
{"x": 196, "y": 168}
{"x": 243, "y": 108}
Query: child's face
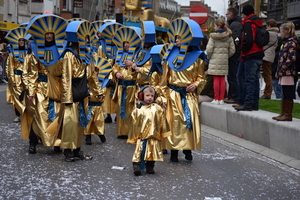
{"x": 148, "y": 97}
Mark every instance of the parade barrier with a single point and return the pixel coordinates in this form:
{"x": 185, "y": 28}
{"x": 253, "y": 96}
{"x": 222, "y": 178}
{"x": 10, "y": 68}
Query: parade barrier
{"x": 255, "y": 126}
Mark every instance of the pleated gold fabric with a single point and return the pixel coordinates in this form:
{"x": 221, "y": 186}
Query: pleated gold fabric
{"x": 124, "y": 126}
{"x": 38, "y": 89}
{"x": 148, "y": 124}
{"x": 14, "y": 92}
{"x": 183, "y": 138}
{"x": 96, "y": 123}
{"x": 70, "y": 132}
{"x": 142, "y": 74}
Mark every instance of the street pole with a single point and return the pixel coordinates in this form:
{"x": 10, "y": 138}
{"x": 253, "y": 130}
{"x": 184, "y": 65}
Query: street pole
{"x": 284, "y": 16}
{"x": 257, "y": 7}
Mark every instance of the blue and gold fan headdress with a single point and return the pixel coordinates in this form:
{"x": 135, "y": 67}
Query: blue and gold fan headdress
{"x": 191, "y": 35}
{"x": 13, "y": 36}
{"x": 75, "y": 19}
{"x": 130, "y": 35}
{"x": 104, "y": 67}
{"x": 77, "y": 31}
{"x": 108, "y": 31}
{"x": 48, "y": 23}
{"x": 98, "y": 24}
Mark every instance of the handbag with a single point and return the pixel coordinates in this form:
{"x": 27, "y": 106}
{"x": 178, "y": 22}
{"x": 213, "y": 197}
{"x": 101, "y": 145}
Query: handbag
{"x": 80, "y": 88}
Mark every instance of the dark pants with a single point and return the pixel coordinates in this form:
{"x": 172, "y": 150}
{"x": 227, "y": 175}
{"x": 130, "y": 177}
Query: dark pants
{"x": 232, "y": 77}
{"x": 288, "y": 92}
{"x": 33, "y": 139}
{"x": 267, "y": 75}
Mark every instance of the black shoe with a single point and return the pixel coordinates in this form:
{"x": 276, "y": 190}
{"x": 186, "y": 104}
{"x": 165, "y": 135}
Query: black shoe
{"x": 81, "y": 156}
{"x": 88, "y": 140}
{"x": 245, "y": 107}
{"x": 116, "y": 119}
{"x": 102, "y": 138}
{"x": 137, "y": 168}
{"x": 57, "y": 149}
{"x": 165, "y": 151}
{"x": 174, "y": 156}
{"x": 188, "y": 154}
{"x": 255, "y": 108}
{"x": 150, "y": 167}
{"x": 125, "y": 137}
{"x": 69, "y": 155}
{"x": 32, "y": 149}
{"x": 108, "y": 119}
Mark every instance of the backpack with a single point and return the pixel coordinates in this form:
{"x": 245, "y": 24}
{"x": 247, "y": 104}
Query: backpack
{"x": 262, "y": 36}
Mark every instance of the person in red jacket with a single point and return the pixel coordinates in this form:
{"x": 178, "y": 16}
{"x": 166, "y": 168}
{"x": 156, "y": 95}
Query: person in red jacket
{"x": 250, "y": 63}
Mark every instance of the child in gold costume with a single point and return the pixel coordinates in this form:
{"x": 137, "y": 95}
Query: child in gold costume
{"x": 148, "y": 130}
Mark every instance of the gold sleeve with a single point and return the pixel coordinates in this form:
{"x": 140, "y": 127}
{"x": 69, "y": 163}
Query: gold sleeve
{"x": 30, "y": 73}
{"x": 67, "y": 78}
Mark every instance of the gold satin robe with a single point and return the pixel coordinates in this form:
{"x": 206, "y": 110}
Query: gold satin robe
{"x": 40, "y": 90}
{"x": 13, "y": 92}
{"x": 124, "y": 126}
{"x": 148, "y": 124}
{"x": 142, "y": 74}
{"x": 183, "y": 138}
{"x": 69, "y": 130}
{"x": 96, "y": 123}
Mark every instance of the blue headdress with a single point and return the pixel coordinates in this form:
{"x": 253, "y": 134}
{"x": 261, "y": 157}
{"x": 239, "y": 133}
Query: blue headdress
{"x": 148, "y": 36}
{"x": 108, "y": 31}
{"x": 104, "y": 68}
{"x": 77, "y": 31}
{"x": 157, "y": 53}
{"x": 97, "y": 25}
{"x": 130, "y": 35}
{"x": 191, "y": 36}
{"x": 13, "y": 36}
{"x": 32, "y": 47}
{"x": 48, "y": 23}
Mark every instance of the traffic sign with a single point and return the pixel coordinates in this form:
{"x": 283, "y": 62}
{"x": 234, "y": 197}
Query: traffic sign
{"x": 199, "y": 14}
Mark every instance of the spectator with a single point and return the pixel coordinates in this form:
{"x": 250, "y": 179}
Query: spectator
{"x": 251, "y": 60}
{"x": 236, "y": 27}
{"x": 219, "y": 48}
{"x": 286, "y": 70}
{"x": 268, "y": 59}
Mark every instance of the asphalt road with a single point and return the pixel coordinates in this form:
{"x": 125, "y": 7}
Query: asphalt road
{"x": 221, "y": 170}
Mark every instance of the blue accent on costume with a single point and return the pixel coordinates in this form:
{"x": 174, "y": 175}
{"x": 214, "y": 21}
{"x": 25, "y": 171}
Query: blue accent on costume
{"x": 51, "y": 110}
{"x": 143, "y": 163}
{"x": 55, "y": 55}
{"x": 124, "y": 84}
{"x": 184, "y": 103}
{"x": 42, "y": 78}
{"x": 18, "y": 72}
{"x": 146, "y": 54}
{"x": 83, "y": 121}
{"x": 91, "y": 105}
{"x": 189, "y": 59}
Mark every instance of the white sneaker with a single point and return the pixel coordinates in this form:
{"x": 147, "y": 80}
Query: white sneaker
{"x": 221, "y": 102}
{"x": 215, "y": 102}
{"x": 17, "y": 119}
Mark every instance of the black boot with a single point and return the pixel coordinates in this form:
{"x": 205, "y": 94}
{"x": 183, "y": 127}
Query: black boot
{"x": 88, "y": 140}
{"x": 149, "y": 167}
{"x": 102, "y": 138}
{"x": 108, "y": 119}
{"x": 32, "y": 149}
{"x": 174, "y": 156}
{"x": 78, "y": 155}
{"x": 33, "y": 141}
{"x": 57, "y": 149}
{"x": 245, "y": 107}
{"x": 188, "y": 154}
{"x": 137, "y": 168}
{"x": 165, "y": 151}
{"x": 69, "y": 155}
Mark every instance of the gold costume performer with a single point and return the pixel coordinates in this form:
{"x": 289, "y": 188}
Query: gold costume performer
{"x": 184, "y": 77}
{"x": 148, "y": 131}
{"x": 95, "y": 112}
{"x": 14, "y": 69}
{"x": 108, "y": 51}
{"x": 44, "y": 78}
{"x": 76, "y": 66}
{"x": 127, "y": 40}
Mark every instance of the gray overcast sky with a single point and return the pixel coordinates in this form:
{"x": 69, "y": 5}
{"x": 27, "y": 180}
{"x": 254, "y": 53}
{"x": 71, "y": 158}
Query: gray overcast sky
{"x": 216, "y": 5}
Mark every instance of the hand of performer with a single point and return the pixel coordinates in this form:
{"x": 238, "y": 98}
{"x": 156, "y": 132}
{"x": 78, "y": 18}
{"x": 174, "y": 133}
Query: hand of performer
{"x": 100, "y": 98}
{"x": 128, "y": 62}
{"x": 191, "y": 88}
{"x": 119, "y": 75}
{"x": 31, "y": 98}
{"x": 136, "y": 68}
{"x": 164, "y": 105}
